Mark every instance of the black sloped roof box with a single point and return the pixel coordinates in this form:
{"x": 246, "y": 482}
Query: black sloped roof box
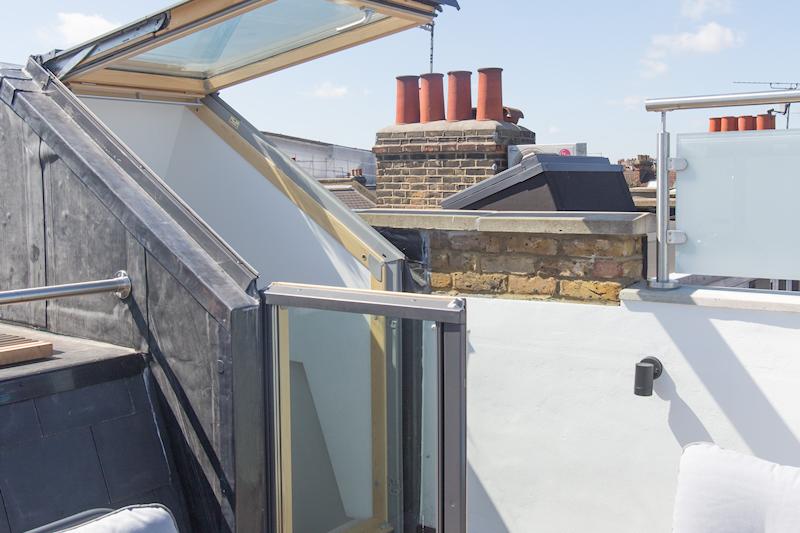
{"x": 550, "y": 182}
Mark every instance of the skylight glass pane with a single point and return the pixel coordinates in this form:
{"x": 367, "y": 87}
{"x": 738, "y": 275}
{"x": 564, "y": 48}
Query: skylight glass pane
{"x": 267, "y": 31}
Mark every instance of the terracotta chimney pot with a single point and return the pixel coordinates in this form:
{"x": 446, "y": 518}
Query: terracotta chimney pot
{"x": 407, "y": 100}
{"x": 459, "y": 95}
{"x": 490, "y": 94}
{"x": 747, "y": 123}
{"x": 714, "y": 124}
{"x": 431, "y": 97}
{"x": 765, "y": 122}
{"x": 730, "y": 124}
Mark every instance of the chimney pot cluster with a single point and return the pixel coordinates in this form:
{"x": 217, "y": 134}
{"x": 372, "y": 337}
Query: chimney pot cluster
{"x": 742, "y": 123}
{"x": 421, "y": 98}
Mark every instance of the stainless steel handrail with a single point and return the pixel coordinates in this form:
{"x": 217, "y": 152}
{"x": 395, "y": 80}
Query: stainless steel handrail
{"x": 722, "y": 100}
{"x": 120, "y": 285}
{"x": 663, "y": 106}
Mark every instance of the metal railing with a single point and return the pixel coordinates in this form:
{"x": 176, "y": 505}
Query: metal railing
{"x": 665, "y": 105}
{"x": 120, "y": 285}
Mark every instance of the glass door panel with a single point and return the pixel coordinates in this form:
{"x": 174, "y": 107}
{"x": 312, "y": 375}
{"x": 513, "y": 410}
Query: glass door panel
{"x": 360, "y": 398}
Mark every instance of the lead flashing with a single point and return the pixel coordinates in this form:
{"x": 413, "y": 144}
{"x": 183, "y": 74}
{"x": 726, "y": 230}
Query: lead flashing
{"x": 568, "y": 223}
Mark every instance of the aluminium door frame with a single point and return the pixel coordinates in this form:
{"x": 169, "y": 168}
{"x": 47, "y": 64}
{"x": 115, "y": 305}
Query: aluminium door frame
{"x": 449, "y": 314}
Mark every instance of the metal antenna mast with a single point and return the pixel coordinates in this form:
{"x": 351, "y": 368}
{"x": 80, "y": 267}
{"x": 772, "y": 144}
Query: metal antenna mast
{"x": 431, "y": 28}
{"x": 778, "y": 85}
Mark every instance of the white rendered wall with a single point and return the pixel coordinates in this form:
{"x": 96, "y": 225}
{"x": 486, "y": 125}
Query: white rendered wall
{"x": 272, "y": 234}
{"x": 326, "y": 161}
{"x": 557, "y": 441}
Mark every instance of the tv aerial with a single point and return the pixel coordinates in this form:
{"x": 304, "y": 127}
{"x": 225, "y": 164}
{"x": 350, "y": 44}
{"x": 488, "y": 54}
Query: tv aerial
{"x": 778, "y": 86}
{"x": 431, "y": 28}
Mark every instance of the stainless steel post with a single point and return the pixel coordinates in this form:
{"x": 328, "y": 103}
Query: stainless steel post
{"x": 662, "y": 280}
{"x": 120, "y": 284}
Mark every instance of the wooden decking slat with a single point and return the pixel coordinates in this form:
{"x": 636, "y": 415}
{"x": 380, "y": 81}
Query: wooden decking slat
{"x": 15, "y": 349}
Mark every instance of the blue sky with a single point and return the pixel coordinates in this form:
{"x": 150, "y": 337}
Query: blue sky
{"x": 579, "y": 70}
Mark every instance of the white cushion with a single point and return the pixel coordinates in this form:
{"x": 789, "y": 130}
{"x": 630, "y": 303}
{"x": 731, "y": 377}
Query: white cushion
{"x": 151, "y": 518}
{"x": 722, "y": 491}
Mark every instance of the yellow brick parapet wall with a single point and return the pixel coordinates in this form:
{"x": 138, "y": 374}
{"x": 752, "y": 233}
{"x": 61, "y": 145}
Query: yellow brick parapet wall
{"x": 542, "y": 266}
{"x": 553, "y": 256}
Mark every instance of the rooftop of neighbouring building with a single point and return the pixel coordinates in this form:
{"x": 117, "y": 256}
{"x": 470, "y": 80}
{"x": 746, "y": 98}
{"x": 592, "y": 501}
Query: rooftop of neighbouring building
{"x": 326, "y": 161}
{"x": 352, "y": 193}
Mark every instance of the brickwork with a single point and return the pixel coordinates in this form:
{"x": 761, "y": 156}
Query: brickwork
{"x": 419, "y": 165}
{"x": 535, "y": 266}
{"x": 641, "y": 169}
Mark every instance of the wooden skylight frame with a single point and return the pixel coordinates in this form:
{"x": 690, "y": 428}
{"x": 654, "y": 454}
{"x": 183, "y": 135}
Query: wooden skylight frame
{"x": 90, "y": 67}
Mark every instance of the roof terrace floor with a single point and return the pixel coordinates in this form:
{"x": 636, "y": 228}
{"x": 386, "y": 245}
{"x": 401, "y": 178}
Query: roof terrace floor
{"x": 68, "y": 353}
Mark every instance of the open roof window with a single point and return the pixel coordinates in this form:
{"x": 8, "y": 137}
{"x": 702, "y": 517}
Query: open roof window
{"x": 201, "y": 46}
{"x": 266, "y": 32}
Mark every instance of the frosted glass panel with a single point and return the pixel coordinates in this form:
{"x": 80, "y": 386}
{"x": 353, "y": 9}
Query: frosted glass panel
{"x": 737, "y": 202}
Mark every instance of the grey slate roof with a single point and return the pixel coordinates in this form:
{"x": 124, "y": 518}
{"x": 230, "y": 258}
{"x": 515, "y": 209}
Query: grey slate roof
{"x": 351, "y": 197}
{"x": 530, "y": 166}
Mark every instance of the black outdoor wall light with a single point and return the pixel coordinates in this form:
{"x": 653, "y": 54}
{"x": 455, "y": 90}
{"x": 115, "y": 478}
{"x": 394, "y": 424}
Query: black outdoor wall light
{"x": 647, "y": 370}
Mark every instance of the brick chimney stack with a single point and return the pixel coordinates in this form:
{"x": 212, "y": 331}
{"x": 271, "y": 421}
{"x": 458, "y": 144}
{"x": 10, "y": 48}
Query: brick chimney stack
{"x": 420, "y": 164}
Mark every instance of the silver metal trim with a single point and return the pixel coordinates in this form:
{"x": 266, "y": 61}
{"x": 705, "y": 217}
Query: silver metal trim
{"x": 663, "y": 285}
{"x": 676, "y": 236}
{"x": 120, "y": 285}
{"x": 451, "y": 442}
{"x": 678, "y": 164}
{"x": 722, "y": 100}
{"x": 662, "y": 280}
{"x": 443, "y": 309}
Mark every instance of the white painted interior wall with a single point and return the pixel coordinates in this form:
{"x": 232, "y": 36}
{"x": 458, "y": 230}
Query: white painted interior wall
{"x": 269, "y": 231}
{"x": 558, "y": 442}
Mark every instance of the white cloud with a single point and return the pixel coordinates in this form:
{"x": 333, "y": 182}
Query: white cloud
{"x": 329, "y": 91}
{"x": 697, "y": 9}
{"x": 707, "y": 39}
{"x": 75, "y": 28}
{"x": 653, "y": 68}
{"x": 630, "y": 102}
